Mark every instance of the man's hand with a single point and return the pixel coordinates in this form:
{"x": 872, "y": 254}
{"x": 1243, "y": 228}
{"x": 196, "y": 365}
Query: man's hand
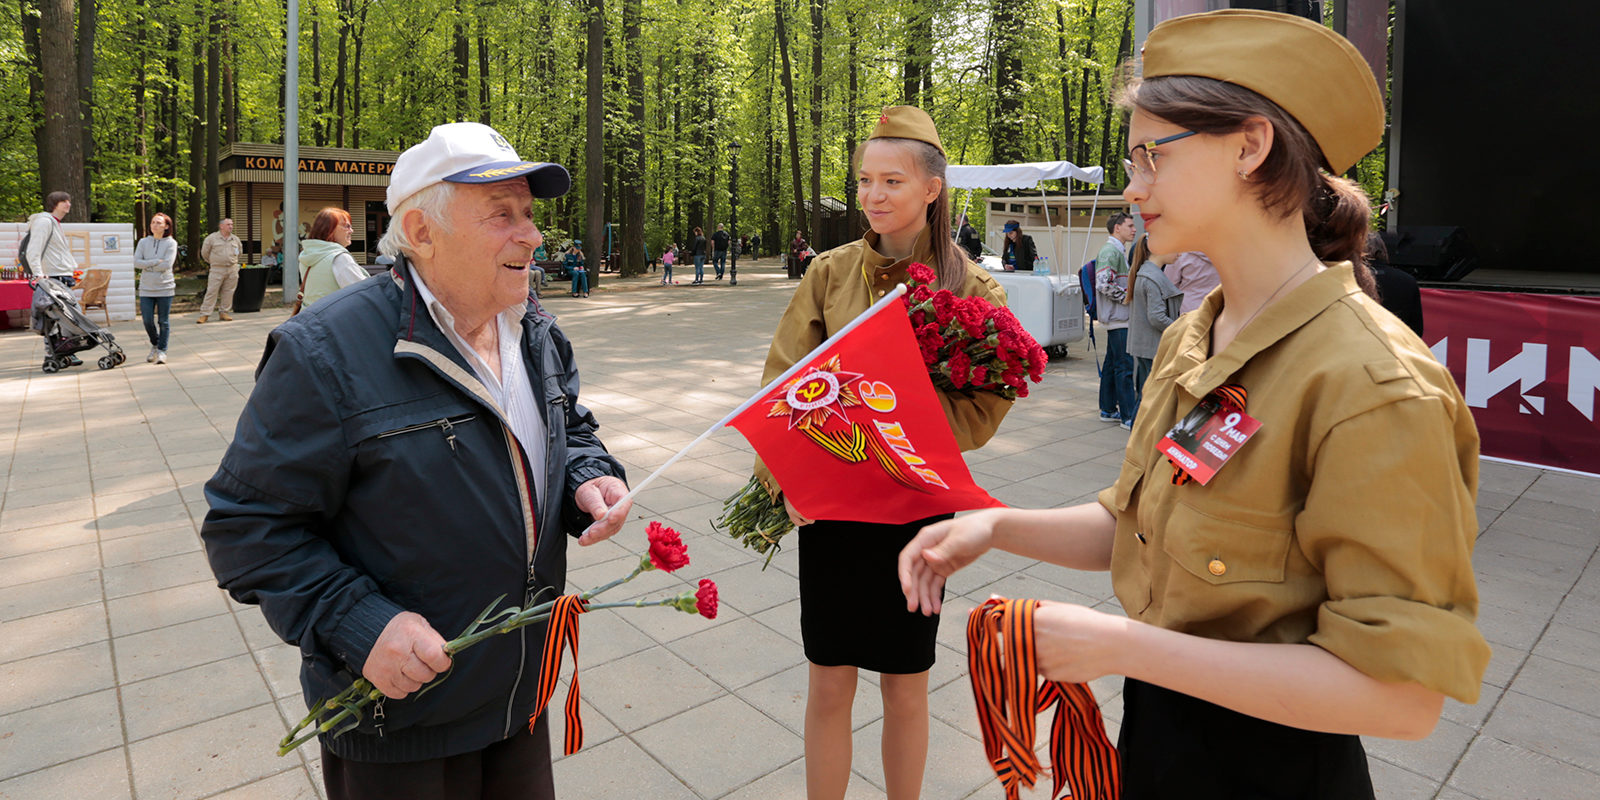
{"x": 796, "y": 518}
{"x": 937, "y": 552}
{"x": 408, "y": 654}
{"x": 596, "y": 498}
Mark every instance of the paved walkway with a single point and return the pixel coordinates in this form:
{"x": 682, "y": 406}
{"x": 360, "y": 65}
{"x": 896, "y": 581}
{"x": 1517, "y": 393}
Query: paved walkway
{"x": 124, "y": 672}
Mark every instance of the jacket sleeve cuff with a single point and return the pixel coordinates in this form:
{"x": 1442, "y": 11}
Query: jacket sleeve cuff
{"x": 359, "y": 630}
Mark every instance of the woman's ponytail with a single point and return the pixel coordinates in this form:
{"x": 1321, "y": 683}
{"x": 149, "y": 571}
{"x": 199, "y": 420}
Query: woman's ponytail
{"x": 1338, "y": 216}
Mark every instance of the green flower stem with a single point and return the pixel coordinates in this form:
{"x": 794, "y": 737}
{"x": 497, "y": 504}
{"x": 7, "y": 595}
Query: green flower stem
{"x": 361, "y": 692}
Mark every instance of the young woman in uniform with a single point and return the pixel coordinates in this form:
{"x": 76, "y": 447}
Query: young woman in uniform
{"x": 1319, "y": 586}
{"x": 852, "y": 613}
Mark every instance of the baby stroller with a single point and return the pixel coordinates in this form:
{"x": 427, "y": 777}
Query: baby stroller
{"x": 66, "y": 329}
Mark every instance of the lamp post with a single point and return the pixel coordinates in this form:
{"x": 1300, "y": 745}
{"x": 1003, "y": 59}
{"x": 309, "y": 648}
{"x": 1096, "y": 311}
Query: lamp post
{"x": 733, "y": 267}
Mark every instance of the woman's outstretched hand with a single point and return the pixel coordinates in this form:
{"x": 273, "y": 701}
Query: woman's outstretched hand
{"x": 937, "y": 552}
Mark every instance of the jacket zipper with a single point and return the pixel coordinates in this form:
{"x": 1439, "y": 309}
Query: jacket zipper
{"x": 446, "y": 426}
{"x": 527, "y": 592}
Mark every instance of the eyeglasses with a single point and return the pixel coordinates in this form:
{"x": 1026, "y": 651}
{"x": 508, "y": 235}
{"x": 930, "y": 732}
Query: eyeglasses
{"x": 1141, "y": 162}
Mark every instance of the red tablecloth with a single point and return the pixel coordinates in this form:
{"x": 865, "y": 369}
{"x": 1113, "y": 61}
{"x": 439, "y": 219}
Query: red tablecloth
{"x": 15, "y": 294}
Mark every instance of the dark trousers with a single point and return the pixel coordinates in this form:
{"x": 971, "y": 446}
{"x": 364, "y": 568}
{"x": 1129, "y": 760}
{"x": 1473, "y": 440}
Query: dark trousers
{"x": 155, "y": 311}
{"x": 1141, "y": 373}
{"x": 719, "y": 259}
{"x": 515, "y": 769}
{"x": 1117, "y": 392}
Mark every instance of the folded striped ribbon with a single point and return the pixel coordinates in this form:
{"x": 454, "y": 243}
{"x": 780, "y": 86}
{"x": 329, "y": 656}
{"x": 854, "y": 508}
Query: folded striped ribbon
{"x": 563, "y": 628}
{"x": 1227, "y": 396}
{"x": 1002, "y": 656}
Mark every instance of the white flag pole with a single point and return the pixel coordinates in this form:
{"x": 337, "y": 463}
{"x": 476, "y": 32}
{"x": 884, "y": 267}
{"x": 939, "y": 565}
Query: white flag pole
{"x": 893, "y": 296}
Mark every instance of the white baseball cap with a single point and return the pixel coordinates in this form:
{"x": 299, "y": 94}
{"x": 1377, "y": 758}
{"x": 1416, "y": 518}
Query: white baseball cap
{"x": 469, "y": 152}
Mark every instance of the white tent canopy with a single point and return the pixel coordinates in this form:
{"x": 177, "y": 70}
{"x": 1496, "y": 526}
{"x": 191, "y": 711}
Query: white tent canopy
{"x": 1018, "y": 176}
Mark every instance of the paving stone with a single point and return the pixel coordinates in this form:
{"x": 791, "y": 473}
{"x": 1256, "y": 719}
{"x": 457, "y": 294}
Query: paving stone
{"x": 163, "y": 607}
{"x": 789, "y": 783}
{"x": 618, "y": 768}
{"x": 150, "y": 546}
{"x": 738, "y": 653}
{"x": 1495, "y": 769}
{"x": 133, "y": 522}
{"x": 280, "y": 666}
{"x": 291, "y": 784}
{"x": 201, "y": 760}
{"x": 43, "y": 514}
{"x": 1547, "y": 728}
{"x": 1432, "y": 757}
{"x": 56, "y": 630}
{"x": 151, "y": 574}
{"x": 645, "y": 688}
{"x": 752, "y": 590}
{"x": 56, "y": 563}
{"x": 176, "y": 647}
{"x": 1390, "y": 782}
{"x": 1564, "y": 684}
{"x": 59, "y": 732}
{"x": 49, "y": 537}
{"x": 958, "y": 771}
{"x": 103, "y": 776}
{"x": 785, "y": 619}
{"x": 37, "y": 681}
{"x": 720, "y": 746}
{"x": 193, "y": 695}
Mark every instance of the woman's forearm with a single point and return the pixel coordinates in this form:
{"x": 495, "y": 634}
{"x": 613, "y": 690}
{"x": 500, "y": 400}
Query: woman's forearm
{"x": 1078, "y": 537}
{"x": 1299, "y": 685}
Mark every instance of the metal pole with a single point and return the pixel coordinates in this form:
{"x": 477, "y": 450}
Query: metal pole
{"x": 291, "y": 160}
{"x": 733, "y": 266}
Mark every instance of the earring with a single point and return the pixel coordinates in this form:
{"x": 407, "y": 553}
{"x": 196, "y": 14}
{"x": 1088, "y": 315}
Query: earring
{"x": 1243, "y": 175}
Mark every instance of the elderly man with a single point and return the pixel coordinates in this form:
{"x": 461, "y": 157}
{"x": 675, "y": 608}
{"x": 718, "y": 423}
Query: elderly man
{"x": 413, "y": 449}
{"x": 221, "y": 252}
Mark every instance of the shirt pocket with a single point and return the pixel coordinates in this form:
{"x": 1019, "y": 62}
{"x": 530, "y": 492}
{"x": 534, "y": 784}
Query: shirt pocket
{"x": 1127, "y": 481}
{"x": 1223, "y": 551}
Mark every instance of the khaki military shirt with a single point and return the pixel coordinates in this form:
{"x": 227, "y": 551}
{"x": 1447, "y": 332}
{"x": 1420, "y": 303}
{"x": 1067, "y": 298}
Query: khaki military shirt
{"x": 845, "y": 281}
{"x": 1347, "y": 521}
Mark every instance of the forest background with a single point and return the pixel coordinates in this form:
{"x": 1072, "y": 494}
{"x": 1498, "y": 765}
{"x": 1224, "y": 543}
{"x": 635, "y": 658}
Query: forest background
{"x": 125, "y": 103}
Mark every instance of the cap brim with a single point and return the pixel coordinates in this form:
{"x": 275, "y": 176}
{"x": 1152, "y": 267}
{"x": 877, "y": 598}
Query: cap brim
{"x": 545, "y": 180}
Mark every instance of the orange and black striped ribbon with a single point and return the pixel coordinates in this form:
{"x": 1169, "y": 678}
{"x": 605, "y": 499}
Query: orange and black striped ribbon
{"x": 563, "y": 628}
{"x": 1002, "y": 656}
{"x": 1228, "y": 395}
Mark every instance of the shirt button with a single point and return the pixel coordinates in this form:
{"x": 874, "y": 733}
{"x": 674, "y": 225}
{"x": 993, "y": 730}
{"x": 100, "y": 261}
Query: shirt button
{"x": 880, "y": 292}
{"x": 1140, "y": 537}
{"x": 1217, "y": 567}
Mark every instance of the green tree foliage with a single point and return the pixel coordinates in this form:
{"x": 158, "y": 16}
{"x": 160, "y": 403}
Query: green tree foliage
{"x": 378, "y": 74}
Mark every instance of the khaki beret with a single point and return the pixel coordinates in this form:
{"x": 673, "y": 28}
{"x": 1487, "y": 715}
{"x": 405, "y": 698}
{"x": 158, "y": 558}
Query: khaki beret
{"x": 1314, "y": 74}
{"x": 907, "y": 122}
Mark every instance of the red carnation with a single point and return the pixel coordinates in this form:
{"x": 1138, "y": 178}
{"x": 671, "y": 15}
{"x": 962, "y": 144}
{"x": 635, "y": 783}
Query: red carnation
{"x": 920, "y": 294}
{"x": 960, "y": 364}
{"x": 667, "y": 550}
{"x": 921, "y": 273}
{"x": 944, "y": 306}
{"x": 973, "y": 314}
{"x": 1036, "y": 361}
{"x": 705, "y": 600}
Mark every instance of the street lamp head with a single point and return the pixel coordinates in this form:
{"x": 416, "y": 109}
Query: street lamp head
{"x": 735, "y": 146}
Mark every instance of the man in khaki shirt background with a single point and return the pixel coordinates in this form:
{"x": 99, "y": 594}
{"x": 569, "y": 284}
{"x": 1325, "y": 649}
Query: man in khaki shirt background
{"x": 221, "y": 252}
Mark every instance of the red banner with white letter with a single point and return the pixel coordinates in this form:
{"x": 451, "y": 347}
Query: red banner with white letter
{"x": 858, "y": 433}
{"x": 1529, "y": 366}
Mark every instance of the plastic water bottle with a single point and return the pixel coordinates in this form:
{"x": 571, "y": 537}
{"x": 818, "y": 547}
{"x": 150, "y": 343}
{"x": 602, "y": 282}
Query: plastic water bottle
{"x": 1041, "y": 265}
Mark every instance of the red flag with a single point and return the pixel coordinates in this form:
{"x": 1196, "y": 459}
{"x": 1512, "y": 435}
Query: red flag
{"x": 857, "y": 433}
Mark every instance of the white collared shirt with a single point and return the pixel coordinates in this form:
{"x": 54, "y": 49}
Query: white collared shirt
{"x": 511, "y": 389}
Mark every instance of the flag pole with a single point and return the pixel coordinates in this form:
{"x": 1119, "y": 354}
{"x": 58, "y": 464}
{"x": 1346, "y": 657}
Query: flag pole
{"x": 893, "y": 296}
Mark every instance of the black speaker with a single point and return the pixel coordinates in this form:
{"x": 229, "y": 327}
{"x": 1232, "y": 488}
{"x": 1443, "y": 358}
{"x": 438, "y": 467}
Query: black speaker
{"x": 1432, "y": 252}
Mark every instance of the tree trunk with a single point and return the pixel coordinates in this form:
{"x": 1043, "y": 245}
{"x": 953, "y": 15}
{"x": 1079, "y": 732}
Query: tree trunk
{"x": 88, "y": 22}
{"x": 818, "y": 30}
{"x": 1083, "y": 90}
{"x": 63, "y": 125}
{"x": 794, "y": 135}
{"x": 341, "y": 72}
{"x": 214, "y": 211}
{"x": 141, "y": 144}
{"x": 1065, "y": 145}
{"x": 319, "y": 114}
{"x": 483, "y": 74}
{"x": 355, "y": 106}
{"x": 1008, "y": 123}
{"x": 230, "y": 87}
{"x": 195, "y": 213}
{"x": 169, "y": 116}
{"x": 31, "y": 44}
{"x": 852, "y": 220}
{"x": 594, "y": 129}
{"x": 633, "y": 156}
{"x": 917, "y": 72}
{"x": 462, "y": 63}
{"x": 1108, "y": 112}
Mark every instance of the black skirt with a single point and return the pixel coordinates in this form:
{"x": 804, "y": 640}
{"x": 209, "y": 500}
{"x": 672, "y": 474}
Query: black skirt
{"x": 1174, "y": 745}
{"x": 852, "y": 612}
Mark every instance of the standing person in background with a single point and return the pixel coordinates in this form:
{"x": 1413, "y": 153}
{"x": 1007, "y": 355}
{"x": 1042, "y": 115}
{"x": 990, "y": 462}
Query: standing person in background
{"x": 154, "y": 256}
{"x": 697, "y": 249}
{"x": 220, "y": 252}
{"x": 1118, "y": 401}
{"x": 1318, "y": 587}
{"x": 667, "y": 259}
{"x": 719, "y": 250}
{"x": 48, "y": 253}
{"x": 967, "y": 239}
{"x": 797, "y": 251}
{"x": 1018, "y": 253}
{"x": 578, "y": 270}
{"x": 1155, "y": 305}
{"x": 852, "y": 614}
{"x": 326, "y": 265}
{"x": 1194, "y": 275}
{"x": 1397, "y": 290}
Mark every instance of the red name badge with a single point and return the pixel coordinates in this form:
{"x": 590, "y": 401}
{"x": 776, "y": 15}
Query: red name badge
{"x": 1203, "y": 441}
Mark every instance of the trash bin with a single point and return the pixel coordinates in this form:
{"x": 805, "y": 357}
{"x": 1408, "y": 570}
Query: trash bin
{"x": 791, "y": 265}
{"x": 251, "y": 290}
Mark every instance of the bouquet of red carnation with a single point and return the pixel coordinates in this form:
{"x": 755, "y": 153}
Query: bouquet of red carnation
{"x": 970, "y": 344}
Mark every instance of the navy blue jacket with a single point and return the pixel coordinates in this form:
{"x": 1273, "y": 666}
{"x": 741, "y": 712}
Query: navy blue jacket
{"x": 371, "y": 473}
